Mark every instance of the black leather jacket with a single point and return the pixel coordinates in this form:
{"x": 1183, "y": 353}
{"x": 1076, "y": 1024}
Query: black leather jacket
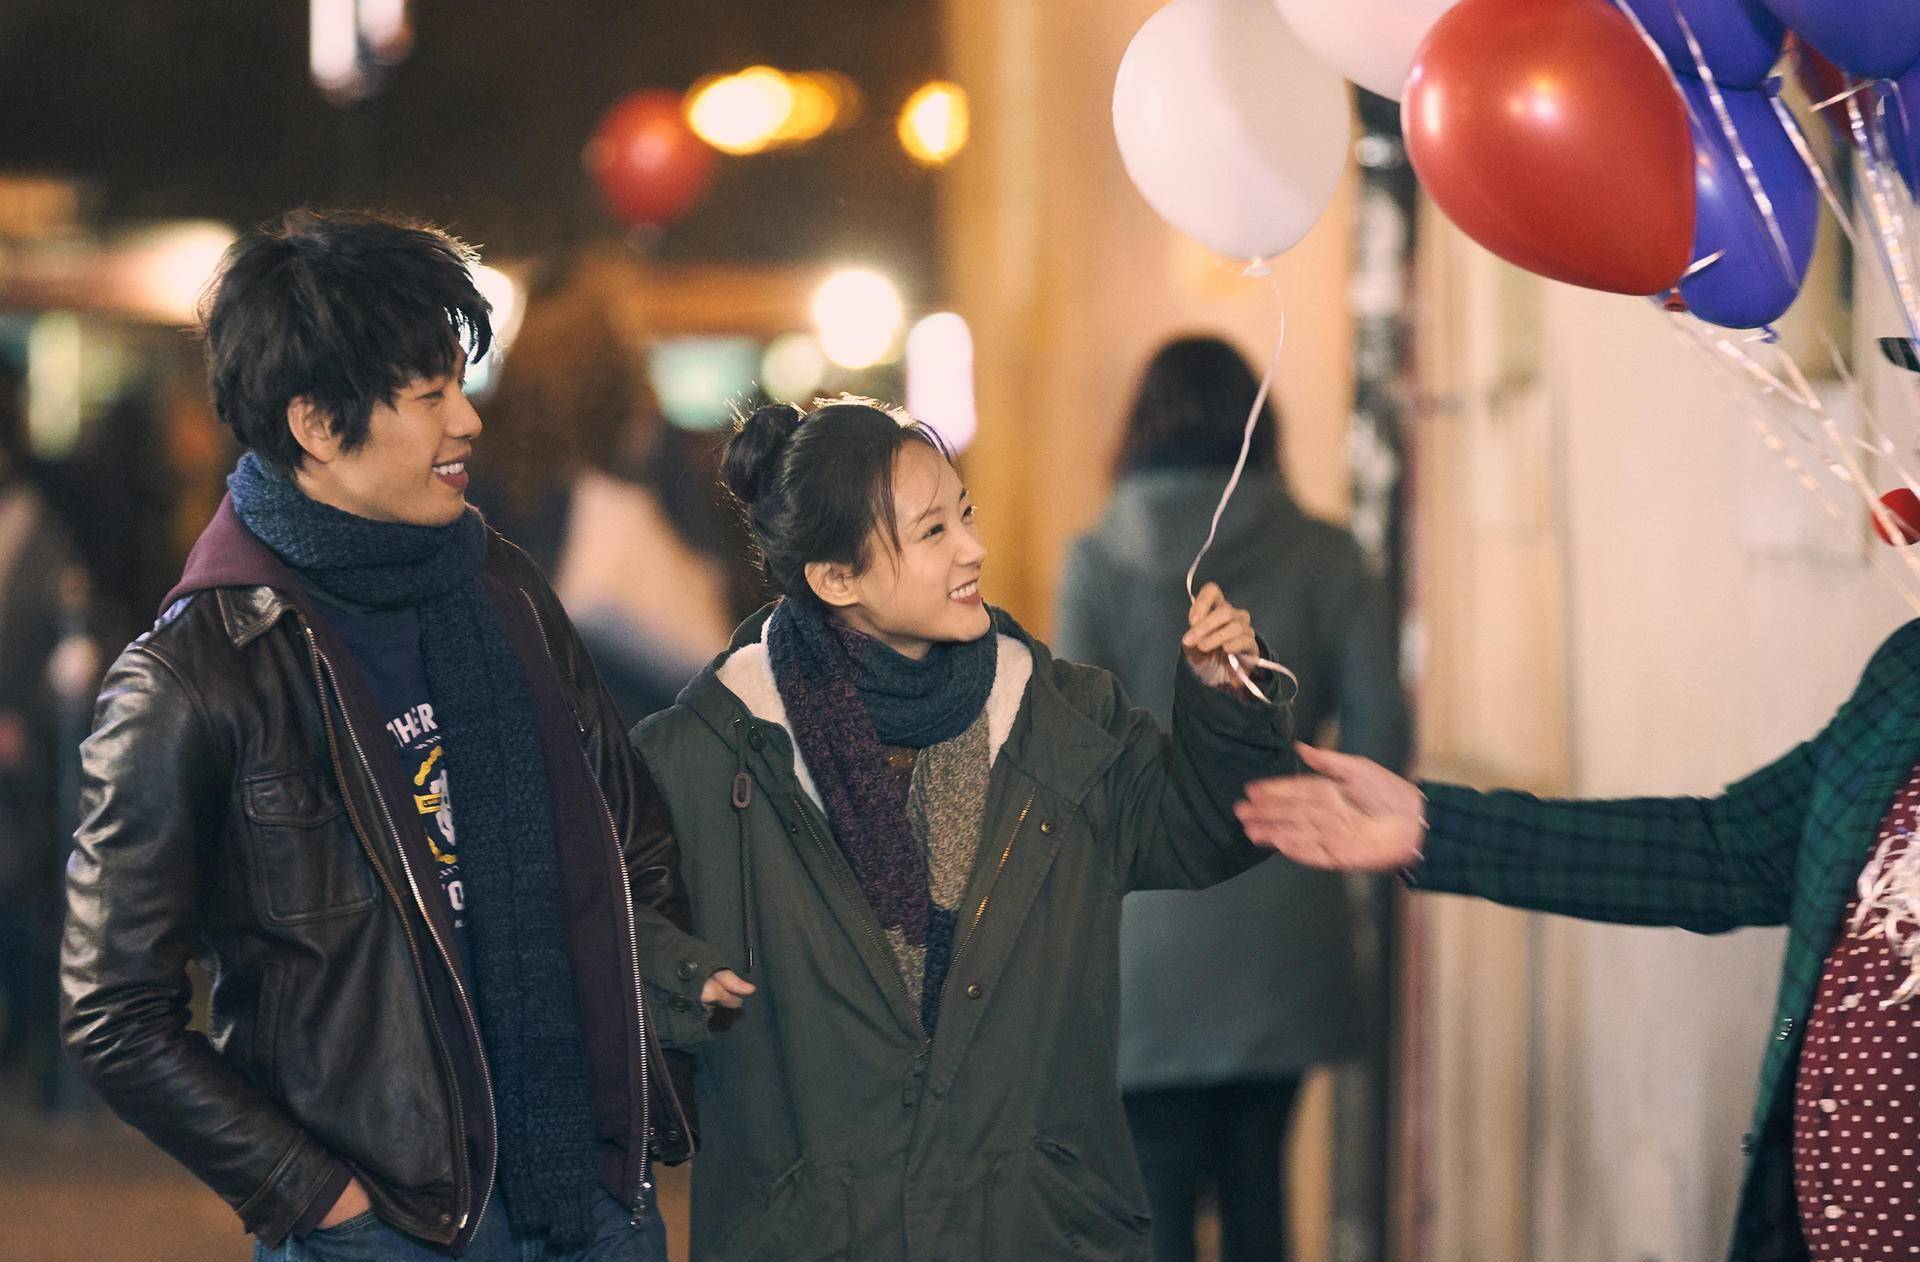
{"x": 240, "y": 807}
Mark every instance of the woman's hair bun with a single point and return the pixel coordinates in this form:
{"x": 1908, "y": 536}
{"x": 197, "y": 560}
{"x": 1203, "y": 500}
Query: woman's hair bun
{"x": 753, "y": 454}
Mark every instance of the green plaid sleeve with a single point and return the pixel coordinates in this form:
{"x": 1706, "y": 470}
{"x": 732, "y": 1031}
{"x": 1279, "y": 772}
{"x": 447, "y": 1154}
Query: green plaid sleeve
{"x": 1706, "y": 864}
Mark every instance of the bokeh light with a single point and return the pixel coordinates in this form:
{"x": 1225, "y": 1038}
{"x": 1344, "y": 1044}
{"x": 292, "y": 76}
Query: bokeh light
{"x": 168, "y": 267}
{"x": 696, "y": 379}
{"x": 509, "y": 305}
{"x": 741, "y": 113}
{"x": 934, "y": 123}
{"x": 858, "y": 314}
{"x": 793, "y": 368}
{"x": 940, "y": 377}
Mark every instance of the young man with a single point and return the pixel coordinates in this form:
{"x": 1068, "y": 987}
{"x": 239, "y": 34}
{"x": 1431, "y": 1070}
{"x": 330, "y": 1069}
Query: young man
{"x": 1817, "y": 841}
{"x": 362, "y": 770}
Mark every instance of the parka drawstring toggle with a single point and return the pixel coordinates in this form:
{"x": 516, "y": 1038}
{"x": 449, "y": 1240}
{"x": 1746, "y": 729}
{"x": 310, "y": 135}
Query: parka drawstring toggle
{"x": 742, "y": 799}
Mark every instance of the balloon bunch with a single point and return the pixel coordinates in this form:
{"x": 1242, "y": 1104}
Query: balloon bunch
{"x": 1634, "y": 146}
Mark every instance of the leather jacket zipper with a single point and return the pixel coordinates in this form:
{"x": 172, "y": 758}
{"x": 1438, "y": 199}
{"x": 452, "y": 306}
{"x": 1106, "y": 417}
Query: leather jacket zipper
{"x": 640, "y": 1202}
{"x": 319, "y": 659}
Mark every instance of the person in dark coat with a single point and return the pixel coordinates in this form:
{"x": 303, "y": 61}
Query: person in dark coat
{"x": 36, "y": 556}
{"x": 423, "y": 1039}
{"x": 912, "y": 826}
{"x": 1211, "y": 1072}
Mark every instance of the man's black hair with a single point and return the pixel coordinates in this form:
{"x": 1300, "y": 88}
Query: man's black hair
{"x": 343, "y": 309}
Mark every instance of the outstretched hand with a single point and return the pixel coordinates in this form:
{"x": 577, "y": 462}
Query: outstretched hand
{"x": 1353, "y": 816}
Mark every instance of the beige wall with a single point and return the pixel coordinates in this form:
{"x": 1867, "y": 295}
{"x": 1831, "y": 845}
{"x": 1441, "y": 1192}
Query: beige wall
{"x": 1613, "y": 565}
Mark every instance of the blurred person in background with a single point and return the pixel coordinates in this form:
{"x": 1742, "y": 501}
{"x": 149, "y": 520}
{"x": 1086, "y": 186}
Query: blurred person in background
{"x": 136, "y": 492}
{"x": 419, "y": 1039}
{"x": 623, "y": 510}
{"x": 1212, "y": 1072}
{"x": 36, "y": 558}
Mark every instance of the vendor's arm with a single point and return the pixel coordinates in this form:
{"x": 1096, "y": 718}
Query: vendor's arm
{"x": 1706, "y": 864}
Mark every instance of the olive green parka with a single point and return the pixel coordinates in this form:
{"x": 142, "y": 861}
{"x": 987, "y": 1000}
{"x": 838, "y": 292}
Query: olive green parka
{"x": 831, "y": 1127}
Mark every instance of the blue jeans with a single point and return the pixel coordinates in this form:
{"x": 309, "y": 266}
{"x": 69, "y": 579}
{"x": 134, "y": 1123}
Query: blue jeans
{"x": 367, "y": 1239}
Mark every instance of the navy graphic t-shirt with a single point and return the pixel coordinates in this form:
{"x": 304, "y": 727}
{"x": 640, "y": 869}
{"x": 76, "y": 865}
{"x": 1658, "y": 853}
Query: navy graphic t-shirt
{"x": 386, "y": 646}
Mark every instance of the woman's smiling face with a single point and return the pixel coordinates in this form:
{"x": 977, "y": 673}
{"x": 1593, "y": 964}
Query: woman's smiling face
{"x": 926, "y": 589}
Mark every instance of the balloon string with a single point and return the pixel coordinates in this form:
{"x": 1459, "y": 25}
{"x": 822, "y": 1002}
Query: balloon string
{"x": 1816, "y": 169}
{"x": 1646, "y": 37}
{"x": 1870, "y": 143}
{"x": 1741, "y": 158}
{"x": 1881, "y": 514}
{"x": 1843, "y": 95}
{"x": 1840, "y": 466}
{"x": 1702, "y": 264}
{"x": 1254, "y": 416}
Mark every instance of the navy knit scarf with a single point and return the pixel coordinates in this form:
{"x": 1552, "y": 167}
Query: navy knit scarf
{"x": 517, "y": 922}
{"x": 847, "y": 695}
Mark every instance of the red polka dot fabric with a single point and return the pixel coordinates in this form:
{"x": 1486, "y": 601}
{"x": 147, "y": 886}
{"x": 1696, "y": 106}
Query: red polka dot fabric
{"x": 1857, "y": 1094}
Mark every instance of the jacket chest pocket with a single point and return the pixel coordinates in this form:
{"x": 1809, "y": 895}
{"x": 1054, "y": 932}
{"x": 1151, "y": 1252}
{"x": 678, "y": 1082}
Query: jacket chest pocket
{"x": 307, "y": 861}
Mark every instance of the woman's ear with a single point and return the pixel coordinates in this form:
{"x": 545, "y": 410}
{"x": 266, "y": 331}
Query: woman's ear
{"x": 312, "y": 428}
{"x": 833, "y": 583}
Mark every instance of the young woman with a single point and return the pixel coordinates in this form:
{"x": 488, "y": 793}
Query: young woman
{"x": 913, "y": 827}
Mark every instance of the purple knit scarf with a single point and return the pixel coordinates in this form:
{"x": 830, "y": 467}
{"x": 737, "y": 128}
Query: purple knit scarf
{"x": 823, "y": 669}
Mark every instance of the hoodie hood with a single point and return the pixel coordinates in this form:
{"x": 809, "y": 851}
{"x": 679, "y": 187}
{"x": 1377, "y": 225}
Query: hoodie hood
{"x": 1157, "y": 519}
{"x": 227, "y": 554}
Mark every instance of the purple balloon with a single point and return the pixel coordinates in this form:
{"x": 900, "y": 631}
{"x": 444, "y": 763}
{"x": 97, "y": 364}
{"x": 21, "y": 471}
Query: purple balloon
{"x": 1902, "y": 106}
{"x": 1749, "y": 285}
{"x": 1875, "y": 39}
{"x": 1740, "y": 39}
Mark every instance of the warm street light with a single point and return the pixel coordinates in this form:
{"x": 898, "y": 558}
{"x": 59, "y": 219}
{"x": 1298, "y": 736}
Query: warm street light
{"x": 934, "y": 123}
{"x": 741, "y": 113}
{"x": 762, "y": 108}
{"x": 858, "y": 315}
{"x": 348, "y": 41}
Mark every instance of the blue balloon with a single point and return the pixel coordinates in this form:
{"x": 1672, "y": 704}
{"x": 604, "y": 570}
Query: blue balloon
{"x": 1875, "y": 39}
{"x": 1740, "y": 38}
{"x": 1749, "y": 285}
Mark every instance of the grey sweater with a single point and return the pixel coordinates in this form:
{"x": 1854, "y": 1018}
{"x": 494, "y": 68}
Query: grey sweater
{"x": 1252, "y": 979}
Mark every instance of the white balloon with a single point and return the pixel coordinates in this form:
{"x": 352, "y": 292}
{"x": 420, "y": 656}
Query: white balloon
{"x": 1372, "y": 42}
{"x": 1229, "y": 127}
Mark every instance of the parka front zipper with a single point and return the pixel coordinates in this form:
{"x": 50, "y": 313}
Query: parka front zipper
{"x": 866, "y": 915}
{"x": 319, "y": 661}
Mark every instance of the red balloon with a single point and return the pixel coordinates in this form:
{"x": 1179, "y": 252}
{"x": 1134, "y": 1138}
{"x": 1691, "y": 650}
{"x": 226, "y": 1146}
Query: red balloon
{"x": 649, "y": 165}
{"x": 1549, "y": 132}
{"x": 1904, "y": 507}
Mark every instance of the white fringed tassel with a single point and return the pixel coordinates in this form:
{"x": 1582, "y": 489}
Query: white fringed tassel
{"x": 1890, "y": 889}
